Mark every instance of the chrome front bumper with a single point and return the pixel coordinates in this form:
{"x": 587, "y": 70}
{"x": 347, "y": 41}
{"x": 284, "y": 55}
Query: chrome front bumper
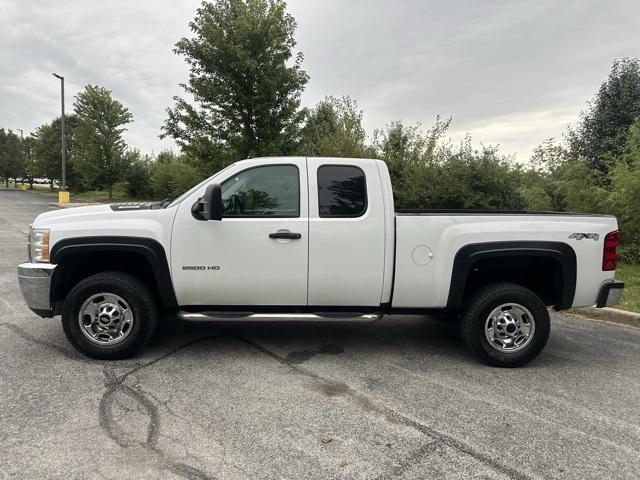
{"x": 610, "y": 294}
{"x": 35, "y": 283}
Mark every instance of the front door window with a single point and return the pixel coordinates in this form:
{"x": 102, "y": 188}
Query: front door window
{"x": 269, "y": 191}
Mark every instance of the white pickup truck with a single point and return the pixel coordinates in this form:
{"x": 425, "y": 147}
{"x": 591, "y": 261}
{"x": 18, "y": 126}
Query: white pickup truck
{"x": 313, "y": 239}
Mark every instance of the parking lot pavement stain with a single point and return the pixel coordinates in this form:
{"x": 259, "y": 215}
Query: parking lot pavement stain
{"x": 439, "y": 438}
{"x": 304, "y": 355}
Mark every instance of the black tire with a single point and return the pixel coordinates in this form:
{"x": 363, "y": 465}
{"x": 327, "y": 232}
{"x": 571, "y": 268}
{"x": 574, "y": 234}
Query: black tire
{"x": 483, "y": 303}
{"x": 129, "y": 288}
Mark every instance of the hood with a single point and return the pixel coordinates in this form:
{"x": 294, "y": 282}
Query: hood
{"x": 92, "y": 213}
{"x": 46, "y": 219}
{"x": 151, "y": 222}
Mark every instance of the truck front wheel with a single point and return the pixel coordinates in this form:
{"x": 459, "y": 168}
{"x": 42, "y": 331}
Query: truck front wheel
{"x": 109, "y": 316}
{"x": 505, "y": 325}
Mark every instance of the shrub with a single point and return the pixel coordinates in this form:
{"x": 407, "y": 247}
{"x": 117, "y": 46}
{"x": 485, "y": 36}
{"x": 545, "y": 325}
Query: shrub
{"x": 172, "y": 179}
{"x": 427, "y": 171}
{"x": 138, "y": 178}
{"x": 624, "y": 203}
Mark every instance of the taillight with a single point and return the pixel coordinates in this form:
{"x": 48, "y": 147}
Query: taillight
{"x": 610, "y": 251}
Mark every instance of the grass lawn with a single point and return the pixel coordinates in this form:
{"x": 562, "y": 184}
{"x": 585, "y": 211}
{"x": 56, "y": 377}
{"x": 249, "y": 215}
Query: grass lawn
{"x": 101, "y": 196}
{"x": 630, "y": 274}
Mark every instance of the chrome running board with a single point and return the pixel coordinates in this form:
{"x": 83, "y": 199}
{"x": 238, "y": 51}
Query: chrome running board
{"x": 276, "y": 317}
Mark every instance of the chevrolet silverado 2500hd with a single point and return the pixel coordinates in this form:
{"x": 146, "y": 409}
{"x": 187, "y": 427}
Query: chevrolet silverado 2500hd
{"x": 316, "y": 239}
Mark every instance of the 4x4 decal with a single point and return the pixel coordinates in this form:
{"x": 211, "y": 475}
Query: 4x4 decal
{"x": 580, "y": 236}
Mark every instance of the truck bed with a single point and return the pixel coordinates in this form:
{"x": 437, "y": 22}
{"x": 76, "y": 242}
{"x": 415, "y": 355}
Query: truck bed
{"x": 427, "y": 242}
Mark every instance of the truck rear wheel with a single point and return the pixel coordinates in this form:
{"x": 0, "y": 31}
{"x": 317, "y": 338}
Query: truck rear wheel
{"x": 505, "y": 325}
{"x": 109, "y": 315}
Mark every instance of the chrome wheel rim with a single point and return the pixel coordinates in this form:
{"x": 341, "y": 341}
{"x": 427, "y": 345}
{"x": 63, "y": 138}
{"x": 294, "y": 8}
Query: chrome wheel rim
{"x": 509, "y": 328}
{"x": 105, "y": 318}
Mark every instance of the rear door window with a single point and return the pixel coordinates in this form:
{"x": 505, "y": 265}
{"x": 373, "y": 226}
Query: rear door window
{"x": 342, "y": 191}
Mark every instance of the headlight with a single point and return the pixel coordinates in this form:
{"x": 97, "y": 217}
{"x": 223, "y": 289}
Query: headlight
{"x": 39, "y": 244}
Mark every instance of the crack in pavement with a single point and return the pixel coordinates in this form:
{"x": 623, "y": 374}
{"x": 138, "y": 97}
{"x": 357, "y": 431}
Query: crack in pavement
{"x": 115, "y": 387}
{"x": 169, "y": 353}
{"x": 408, "y": 461}
{"x": 68, "y": 354}
{"x": 333, "y": 388}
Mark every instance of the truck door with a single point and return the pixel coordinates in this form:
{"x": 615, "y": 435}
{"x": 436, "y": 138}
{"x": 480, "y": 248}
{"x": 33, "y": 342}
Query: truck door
{"x": 346, "y": 233}
{"x": 257, "y": 254}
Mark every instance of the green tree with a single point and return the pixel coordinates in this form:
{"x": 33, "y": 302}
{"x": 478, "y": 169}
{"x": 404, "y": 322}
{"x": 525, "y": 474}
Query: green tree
{"x": 428, "y": 171}
{"x": 539, "y": 186}
{"x": 166, "y": 156}
{"x": 601, "y": 134}
{"x": 138, "y": 175}
{"x": 245, "y": 80}
{"x": 99, "y": 149}
{"x": 534, "y": 190}
{"x": 578, "y": 188}
{"x": 173, "y": 179}
{"x": 625, "y": 193}
{"x": 47, "y": 147}
{"x": 11, "y": 156}
{"x": 549, "y": 155}
{"x": 623, "y": 202}
{"x": 409, "y": 153}
{"x": 557, "y": 180}
{"x": 631, "y": 153}
{"x": 333, "y": 128}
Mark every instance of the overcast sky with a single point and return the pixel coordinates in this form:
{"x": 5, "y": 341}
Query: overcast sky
{"x": 509, "y": 72}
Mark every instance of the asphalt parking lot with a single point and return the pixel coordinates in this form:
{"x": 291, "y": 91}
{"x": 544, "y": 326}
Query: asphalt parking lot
{"x": 400, "y": 398}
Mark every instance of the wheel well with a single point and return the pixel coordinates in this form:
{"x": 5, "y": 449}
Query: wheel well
{"x": 78, "y": 266}
{"x": 540, "y": 274}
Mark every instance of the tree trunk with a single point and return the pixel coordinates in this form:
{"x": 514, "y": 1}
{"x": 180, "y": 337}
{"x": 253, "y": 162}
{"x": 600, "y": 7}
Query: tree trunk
{"x": 30, "y": 183}
{"x": 51, "y": 185}
{"x": 6, "y": 182}
{"x": 110, "y": 192}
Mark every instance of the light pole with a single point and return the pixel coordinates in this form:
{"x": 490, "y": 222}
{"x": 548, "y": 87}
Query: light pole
{"x": 15, "y": 180}
{"x": 64, "y": 174}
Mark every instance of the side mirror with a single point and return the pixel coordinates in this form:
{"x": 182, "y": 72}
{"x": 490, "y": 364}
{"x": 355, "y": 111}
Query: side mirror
{"x": 209, "y": 207}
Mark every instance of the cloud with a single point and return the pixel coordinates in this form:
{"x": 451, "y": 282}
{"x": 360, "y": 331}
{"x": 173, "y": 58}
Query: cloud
{"x": 513, "y": 132}
{"x": 487, "y": 64}
{"x": 124, "y": 46}
{"x": 510, "y": 72}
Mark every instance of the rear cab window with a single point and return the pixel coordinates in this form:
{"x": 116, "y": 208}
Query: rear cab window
{"x": 342, "y": 191}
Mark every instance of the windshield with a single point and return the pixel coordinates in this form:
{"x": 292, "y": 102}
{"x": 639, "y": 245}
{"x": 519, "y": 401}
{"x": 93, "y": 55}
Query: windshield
{"x": 199, "y": 185}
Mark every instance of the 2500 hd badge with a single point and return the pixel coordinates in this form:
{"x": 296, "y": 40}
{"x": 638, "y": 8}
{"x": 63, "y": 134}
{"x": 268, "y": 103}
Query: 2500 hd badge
{"x": 200, "y": 267}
